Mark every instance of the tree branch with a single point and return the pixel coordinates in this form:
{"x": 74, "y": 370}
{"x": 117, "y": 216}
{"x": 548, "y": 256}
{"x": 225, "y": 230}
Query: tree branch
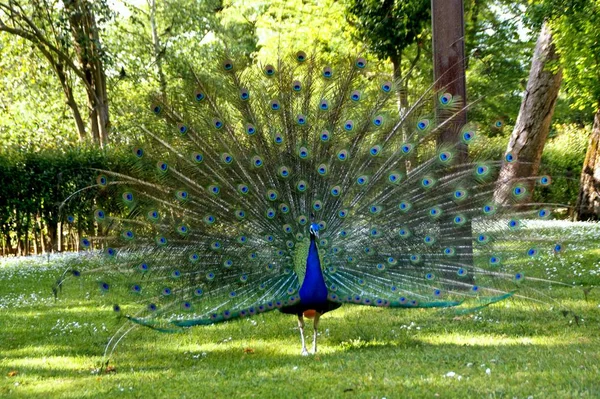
{"x": 37, "y": 37}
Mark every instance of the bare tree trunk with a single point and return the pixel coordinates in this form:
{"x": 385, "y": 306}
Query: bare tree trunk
{"x": 79, "y": 235}
{"x": 448, "y": 66}
{"x": 588, "y": 201}
{"x": 101, "y": 93}
{"x": 94, "y": 120}
{"x": 81, "y": 128}
{"x": 533, "y": 123}
{"x": 18, "y": 228}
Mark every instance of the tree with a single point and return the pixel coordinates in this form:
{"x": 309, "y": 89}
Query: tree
{"x": 499, "y": 49}
{"x": 529, "y": 135}
{"x": 588, "y": 200}
{"x": 575, "y": 26}
{"x": 26, "y": 82}
{"x": 68, "y": 37}
{"x": 578, "y": 43}
{"x": 389, "y": 27}
{"x": 151, "y": 35}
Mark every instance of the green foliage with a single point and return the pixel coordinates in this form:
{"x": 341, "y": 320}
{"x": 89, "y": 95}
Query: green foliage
{"x": 284, "y": 26}
{"x": 389, "y": 27}
{"x": 181, "y": 28}
{"x": 499, "y": 50}
{"x": 191, "y": 32}
{"x": 33, "y": 113}
{"x": 575, "y": 31}
{"x": 563, "y": 158}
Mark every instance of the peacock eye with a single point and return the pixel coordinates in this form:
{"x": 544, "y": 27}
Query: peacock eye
{"x": 301, "y": 56}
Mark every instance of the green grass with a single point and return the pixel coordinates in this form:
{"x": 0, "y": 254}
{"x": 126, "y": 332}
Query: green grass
{"x": 531, "y": 350}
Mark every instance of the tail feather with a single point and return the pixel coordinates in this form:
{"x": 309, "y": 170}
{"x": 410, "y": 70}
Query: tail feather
{"x": 218, "y": 200}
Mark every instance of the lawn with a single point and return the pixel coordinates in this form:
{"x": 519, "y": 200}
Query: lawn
{"x": 515, "y": 348}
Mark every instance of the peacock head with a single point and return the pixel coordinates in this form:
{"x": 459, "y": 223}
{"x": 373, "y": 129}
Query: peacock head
{"x": 314, "y": 230}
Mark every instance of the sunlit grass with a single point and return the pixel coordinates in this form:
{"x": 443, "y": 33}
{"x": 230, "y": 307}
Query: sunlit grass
{"x": 515, "y": 348}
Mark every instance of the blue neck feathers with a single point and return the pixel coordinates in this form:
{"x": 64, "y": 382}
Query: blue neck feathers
{"x": 313, "y": 290}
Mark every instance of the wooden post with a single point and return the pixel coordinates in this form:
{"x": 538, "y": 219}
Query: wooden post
{"x": 447, "y": 18}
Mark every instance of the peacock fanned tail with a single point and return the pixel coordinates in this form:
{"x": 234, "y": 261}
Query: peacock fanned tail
{"x": 221, "y": 192}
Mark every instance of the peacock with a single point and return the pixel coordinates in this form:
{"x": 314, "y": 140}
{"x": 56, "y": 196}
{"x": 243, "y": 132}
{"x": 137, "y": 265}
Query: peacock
{"x": 298, "y": 186}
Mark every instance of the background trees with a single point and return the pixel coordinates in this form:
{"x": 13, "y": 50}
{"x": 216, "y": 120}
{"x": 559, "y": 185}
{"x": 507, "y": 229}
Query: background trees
{"x": 67, "y": 35}
{"x": 578, "y": 42}
{"x": 76, "y": 76}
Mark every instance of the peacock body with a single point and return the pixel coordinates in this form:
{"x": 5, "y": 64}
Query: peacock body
{"x": 299, "y": 187}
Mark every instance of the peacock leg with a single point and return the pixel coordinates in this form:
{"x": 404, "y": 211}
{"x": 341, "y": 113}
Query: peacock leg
{"x": 301, "y": 327}
{"x": 316, "y": 325}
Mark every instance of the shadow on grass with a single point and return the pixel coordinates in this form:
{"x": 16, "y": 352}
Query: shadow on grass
{"x": 408, "y": 364}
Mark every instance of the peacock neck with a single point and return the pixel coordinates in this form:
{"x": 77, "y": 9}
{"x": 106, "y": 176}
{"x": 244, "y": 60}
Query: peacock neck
{"x": 313, "y": 289}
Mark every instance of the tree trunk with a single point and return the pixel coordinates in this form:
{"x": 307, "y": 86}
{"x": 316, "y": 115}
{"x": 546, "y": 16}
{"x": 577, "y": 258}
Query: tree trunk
{"x": 8, "y": 243}
{"x": 18, "y": 233}
{"x": 588, "y": 201}
{"x": 533, "y": 123}
{"x": 26, "y": 243}
{"x": 59, "y": 237}
{"x": 53, "y": 235}
{"x": 87, "y": 46}
{"x": 67, "y": 90}
{"x": 448, "y": 66}
{"x": 79, "y": 235}
{"x": 401, "y": 98}
{"x": 35, "y": 242}
{"x": 449, "y": 74}
{"x": 42, "y": 238}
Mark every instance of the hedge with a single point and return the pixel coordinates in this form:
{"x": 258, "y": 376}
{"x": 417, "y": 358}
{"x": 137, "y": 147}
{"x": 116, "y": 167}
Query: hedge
{"x": 33, "y": 185}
